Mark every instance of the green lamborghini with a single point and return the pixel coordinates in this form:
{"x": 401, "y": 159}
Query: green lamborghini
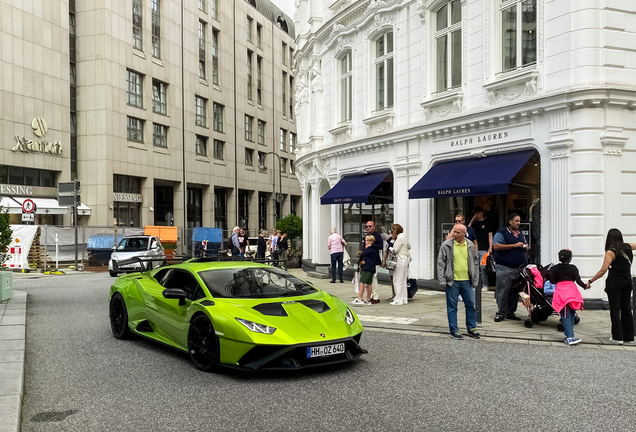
{"x": 237, "y": 314}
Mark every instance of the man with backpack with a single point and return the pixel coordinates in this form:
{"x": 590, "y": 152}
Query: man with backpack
{"x": 233, "y": 242}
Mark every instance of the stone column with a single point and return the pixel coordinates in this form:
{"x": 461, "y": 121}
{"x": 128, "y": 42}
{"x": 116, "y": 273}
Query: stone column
{"x": 559, "y": 195}
{"x": 612, "y": 152}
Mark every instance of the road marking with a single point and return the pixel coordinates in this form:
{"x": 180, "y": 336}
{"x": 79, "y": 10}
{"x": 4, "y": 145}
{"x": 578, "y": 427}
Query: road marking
{"x": 387, "y": 319}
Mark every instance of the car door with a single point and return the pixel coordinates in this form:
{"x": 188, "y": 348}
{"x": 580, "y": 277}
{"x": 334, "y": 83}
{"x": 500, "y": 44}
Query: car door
{"x": 170, "y": 316}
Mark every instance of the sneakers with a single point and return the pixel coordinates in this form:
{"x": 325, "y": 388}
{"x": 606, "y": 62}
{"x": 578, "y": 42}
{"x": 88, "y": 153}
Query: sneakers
{"x": 367, "y": 303}
{"x": 456, "y": 336}
{"x": 357, "y": 301}
{"x": 394, "y": 303}
{"x": 473, "y": 334}
{"x": 616, "y": 341}
{"x": 460, "y": 298}
{"x": 572, "y": 341}
{"x": 485, "y": 289}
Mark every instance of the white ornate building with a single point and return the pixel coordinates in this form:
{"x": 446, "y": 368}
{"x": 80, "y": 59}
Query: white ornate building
{"x": 402, "y": 86}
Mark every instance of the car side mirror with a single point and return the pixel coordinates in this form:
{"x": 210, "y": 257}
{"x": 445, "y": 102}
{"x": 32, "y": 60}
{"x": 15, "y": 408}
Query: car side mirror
{"x": 175, "y": 294}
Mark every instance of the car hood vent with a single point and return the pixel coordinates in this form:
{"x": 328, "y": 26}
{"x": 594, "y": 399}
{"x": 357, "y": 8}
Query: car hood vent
{"x": 277, "y": 309}
{"x": 316, "y": 305}
{"x": 271, "y": 309}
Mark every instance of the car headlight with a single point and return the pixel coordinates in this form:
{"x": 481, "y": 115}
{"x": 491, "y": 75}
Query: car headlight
{"x": 256, "y": 327}
{"x": 349, "y": 317}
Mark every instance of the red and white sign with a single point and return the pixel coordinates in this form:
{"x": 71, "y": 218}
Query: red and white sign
{"x": 28, "y": 206}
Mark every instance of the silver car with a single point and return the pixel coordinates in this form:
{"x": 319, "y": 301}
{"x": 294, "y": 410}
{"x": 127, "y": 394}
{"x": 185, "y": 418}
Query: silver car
{"x": 136, "y": 246}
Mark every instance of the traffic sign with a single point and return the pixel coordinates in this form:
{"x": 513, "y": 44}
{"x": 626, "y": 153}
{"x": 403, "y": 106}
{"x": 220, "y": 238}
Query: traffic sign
{"x": 69, "y": 201}
{"x": 28, "y": 217}
{"x": 69, "y": 188}
{"x": 28, "y": 206}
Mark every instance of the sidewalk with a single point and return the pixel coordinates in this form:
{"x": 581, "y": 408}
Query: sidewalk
{"x": 426, "y": 314}
{"x": 12, "y": 357}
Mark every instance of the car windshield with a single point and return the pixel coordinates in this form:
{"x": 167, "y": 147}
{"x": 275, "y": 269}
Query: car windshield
{"x": 254, "y": 282}
{"x": 133, "y": 244}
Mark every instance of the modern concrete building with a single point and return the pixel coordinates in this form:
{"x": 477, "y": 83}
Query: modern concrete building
{"x": 414, "y": 111}
{"x": 164, "y": 111}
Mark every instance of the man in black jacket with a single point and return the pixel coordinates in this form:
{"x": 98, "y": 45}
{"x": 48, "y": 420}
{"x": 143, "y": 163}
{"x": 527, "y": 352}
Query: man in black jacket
{"x": 378, "y": 245}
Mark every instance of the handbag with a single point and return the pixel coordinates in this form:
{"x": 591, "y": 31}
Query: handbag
{"x": 411, "y": 287}
{"x": 490, "y": 265}
{"x": 391, "y": 261}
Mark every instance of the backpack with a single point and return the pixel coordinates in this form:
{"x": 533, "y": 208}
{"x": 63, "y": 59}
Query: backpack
{"x": 228, "y": 244}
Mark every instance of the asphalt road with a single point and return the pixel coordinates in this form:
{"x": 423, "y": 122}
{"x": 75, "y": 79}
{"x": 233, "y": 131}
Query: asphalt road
{"x": 80, "y": 378}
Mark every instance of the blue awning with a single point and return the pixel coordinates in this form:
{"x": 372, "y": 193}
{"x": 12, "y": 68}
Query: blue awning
{"x": 354, "y": 188}
{"x": 469, "y": 177}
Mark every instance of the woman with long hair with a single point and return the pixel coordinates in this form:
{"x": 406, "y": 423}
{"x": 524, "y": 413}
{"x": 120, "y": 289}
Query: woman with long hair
{"x": 618, "y": 286}
{"x": 401, "y": 249}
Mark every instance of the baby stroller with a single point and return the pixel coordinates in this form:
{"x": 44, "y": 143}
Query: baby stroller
{"x": 532, "y": 282}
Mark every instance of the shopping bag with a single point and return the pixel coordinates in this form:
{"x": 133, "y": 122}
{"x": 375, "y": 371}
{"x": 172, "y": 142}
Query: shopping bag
{"x": 411, "y": 287}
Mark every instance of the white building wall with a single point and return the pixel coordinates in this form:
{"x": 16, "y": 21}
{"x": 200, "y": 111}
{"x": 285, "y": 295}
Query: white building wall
{"x": 574, "y": 106}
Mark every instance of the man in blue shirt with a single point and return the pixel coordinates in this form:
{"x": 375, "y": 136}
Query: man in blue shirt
{"x": 510, "y": 255}
{"x": 470, "y": 232}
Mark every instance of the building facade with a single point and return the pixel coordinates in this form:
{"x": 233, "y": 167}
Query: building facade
{"x": 433, "y": 107}
{"x": 164, "y": 110}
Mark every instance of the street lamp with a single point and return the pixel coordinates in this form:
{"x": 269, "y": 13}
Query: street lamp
{"x": 263, "y": 168}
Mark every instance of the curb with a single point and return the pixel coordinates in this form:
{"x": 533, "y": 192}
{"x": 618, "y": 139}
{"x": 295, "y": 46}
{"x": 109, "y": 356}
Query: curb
{"x": 12, "y": 360}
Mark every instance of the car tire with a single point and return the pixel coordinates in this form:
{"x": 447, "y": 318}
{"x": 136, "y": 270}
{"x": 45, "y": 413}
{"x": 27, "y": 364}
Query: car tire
{"x": 112, "y": 273}
{"x": 118, "y": 317}
{"x": 202, "y": 344}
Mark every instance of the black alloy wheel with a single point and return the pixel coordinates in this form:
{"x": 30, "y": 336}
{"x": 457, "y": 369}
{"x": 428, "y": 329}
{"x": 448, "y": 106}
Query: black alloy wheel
{"x": 119, "y": 317}
{"x": 202, "y": 344}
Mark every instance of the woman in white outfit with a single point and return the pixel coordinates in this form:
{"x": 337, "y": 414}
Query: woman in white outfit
{"x": 401, "y": 248}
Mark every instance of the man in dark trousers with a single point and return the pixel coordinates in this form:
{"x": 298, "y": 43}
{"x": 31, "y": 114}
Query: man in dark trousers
{"x": 510, "y": 255}
{"x": 378, "y": 245}
{"x": 483, "y": 230}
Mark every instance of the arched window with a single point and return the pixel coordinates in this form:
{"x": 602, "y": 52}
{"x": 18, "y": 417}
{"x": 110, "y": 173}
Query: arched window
{"x": 382, "y": 49}
{"x": 345, "y": 78}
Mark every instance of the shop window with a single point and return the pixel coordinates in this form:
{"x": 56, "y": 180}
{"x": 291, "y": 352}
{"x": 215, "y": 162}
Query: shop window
{"x": 448, "y": 46}
{"x": 163, "y": 205}
{"x": 126, "y": 184}
{"x": 195, "y": 207}
{"x": 518, "y": 33}
{"x": 220, "y": 209}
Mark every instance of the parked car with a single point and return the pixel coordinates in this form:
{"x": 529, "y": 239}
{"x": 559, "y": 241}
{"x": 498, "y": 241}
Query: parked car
{"x": 239, "y": 315}
{"x": 136, "y": 246}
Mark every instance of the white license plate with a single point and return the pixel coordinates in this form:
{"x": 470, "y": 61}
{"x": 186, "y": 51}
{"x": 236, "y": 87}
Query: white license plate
{"x": 129, "y": 266}
{"x": 325, "y": 350}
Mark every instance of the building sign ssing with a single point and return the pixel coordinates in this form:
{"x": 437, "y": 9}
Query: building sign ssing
{"x": 40, "y": 129}
{"x": 126, "y": 197}
{"x": 15, "y": 190}
{"x": 484, "y": 138}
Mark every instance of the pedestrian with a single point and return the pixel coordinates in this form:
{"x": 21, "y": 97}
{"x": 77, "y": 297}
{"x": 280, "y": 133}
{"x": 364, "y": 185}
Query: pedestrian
{"x": 261, "y": 245}
{"x": 470, "y": 232}
{"x": 243, "y": 241}
{"x": 389, "y": 244}
{"x": 618, "y": 285}
{"x": 484, "y": 233}
{"x": 283, "y": 245}
{"x": 401, "y": 248}
{"x": 335, "y": 244}
{"x": 510, "y": 256}
{"x": 378, "y": 245}
{"x": 367, "y": 262}
{"x": 458, "y": 274}
{"x": 567, "y": 298}
{"x": 273, "y": 245}
{"x": 236, "y": 246}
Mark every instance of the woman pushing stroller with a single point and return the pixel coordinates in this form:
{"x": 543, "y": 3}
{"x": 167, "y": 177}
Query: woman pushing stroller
{"x": 567, "y": 297}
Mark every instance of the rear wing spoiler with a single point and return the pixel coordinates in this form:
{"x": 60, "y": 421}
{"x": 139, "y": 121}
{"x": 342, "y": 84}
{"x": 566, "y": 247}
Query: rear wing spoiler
{"x": 144, "y": 262}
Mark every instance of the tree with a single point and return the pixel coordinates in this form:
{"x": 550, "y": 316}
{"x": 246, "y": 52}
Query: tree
{"x": 6, "y": 233}
{"x": 292, "y": 225}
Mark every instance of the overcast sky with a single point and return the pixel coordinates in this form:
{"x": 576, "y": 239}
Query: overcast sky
{"x": 287, "y": 6}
